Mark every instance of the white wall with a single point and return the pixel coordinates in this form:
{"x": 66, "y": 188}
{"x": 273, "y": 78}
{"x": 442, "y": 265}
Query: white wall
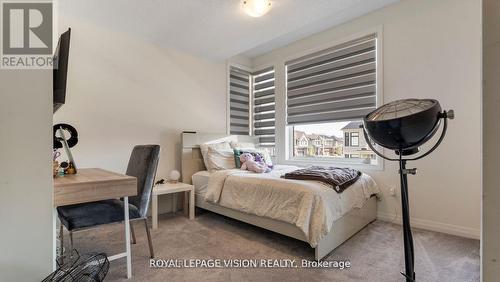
{"x": 241, "y": 60}
{"x": 491, "y": 138}
{"x": 25, "y": 175}
{"x": 431, "y": 49}
{"x": 124, "y": 91}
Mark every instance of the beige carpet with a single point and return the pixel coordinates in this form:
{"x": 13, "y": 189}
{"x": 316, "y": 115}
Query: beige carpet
{"x": 375, "y": 253}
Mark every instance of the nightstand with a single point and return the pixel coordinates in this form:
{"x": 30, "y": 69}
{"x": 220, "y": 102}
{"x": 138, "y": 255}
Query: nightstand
{"x": 171, "y": 188}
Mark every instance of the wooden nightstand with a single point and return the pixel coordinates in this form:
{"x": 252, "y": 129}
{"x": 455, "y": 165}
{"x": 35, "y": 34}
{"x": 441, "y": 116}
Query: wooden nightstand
{"x": 171, "y": 188}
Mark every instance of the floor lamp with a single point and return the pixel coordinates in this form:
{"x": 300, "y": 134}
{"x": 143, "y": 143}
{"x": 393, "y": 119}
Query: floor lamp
{"x": 402, "y": 126}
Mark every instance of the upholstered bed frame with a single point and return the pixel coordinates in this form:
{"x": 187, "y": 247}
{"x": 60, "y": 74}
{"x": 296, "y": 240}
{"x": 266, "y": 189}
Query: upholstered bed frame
{"x": 343, "y": 228}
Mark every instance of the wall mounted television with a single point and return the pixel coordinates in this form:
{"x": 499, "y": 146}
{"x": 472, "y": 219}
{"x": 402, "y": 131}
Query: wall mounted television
{"x": 60, "y": 70}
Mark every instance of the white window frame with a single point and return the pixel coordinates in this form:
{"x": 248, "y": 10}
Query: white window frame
{"x": 284, "y": 133}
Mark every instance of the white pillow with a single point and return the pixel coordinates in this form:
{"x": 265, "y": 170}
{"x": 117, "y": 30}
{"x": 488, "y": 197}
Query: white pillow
{"x": 204, "y": 149}
{"x": 242, "y": 145}
{"x": 220, "y": 159}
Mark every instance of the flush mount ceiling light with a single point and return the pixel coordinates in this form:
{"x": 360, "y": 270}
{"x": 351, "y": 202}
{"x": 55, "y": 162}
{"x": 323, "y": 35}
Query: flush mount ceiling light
{"x": 256, "y": 8}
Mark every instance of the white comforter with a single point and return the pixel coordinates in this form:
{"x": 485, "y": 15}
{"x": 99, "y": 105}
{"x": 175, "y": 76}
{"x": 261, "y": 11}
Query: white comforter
{"x": 310, "y": 205}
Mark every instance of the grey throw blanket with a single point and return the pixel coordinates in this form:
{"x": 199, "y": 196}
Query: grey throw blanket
{"x": 339, "y": 178}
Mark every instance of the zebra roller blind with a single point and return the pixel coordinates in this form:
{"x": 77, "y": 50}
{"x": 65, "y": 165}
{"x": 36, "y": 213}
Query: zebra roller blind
{"x": 264, "y": 107}
{"x": 338, "y": 83}
{"x": 239, "y": 101}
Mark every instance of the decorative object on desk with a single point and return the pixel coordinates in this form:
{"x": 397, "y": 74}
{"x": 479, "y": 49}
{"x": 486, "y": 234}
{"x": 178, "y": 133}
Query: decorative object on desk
{"x": 55, "y": 154}
{"x": 55, "y": 164}
{"x": 174, "y": 176}
{"x": 88, "y": 267}
{"x": 71, "y": 169}
{"x": 55, "y": 168}
{"x": 60, "y": 140}
{"x": 403, "y": 126}
{"x": 159, "y": 182}
{"x": 64, "y": 166}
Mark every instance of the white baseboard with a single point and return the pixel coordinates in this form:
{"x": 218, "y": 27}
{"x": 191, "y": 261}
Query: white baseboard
{"x": 456, "y": 230}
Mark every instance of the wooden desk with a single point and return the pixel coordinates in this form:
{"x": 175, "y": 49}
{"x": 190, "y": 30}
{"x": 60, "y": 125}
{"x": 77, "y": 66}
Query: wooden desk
{"x": 95, "y": 184}
{"x": 92, "y": 184}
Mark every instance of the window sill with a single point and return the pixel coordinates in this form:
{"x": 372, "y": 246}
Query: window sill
{"x": 340, "y": 162}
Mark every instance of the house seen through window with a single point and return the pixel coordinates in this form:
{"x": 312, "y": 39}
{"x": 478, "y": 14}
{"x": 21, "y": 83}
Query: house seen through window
{"x": 335, "y": 140}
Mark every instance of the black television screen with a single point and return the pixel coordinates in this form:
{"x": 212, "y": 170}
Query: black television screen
{"x": 60, "y": 71}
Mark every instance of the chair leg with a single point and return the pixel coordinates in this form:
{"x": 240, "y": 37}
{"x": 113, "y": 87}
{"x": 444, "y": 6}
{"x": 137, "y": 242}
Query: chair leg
{"x": 61, "y": 238}
{"x": 149, "y": 238}
{"x": 134, "y": 241}
{"x": 71, "y": 243}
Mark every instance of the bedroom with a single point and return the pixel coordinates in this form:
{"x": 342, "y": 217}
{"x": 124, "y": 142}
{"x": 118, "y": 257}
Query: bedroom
{"x": 172, "y": 73}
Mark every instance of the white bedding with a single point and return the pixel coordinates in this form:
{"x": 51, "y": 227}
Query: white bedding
{"x": 310, "y": 205}
{"x": 200, "y": 182}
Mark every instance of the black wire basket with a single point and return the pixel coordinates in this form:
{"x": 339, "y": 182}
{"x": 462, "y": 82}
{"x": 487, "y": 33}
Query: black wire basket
{"x": 86, "y": 268}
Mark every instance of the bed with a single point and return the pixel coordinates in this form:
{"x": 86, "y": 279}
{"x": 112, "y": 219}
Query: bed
{"x": 309, "y": 221}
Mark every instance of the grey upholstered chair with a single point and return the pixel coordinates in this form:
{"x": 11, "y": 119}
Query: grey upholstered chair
{"x": 142, "y": 164}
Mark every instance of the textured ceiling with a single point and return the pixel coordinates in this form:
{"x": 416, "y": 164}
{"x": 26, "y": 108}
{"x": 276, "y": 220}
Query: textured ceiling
{"x": 218, "y": 29}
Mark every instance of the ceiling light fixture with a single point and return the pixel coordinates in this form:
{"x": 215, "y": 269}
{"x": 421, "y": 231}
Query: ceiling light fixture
{"x": 256, "y": 8}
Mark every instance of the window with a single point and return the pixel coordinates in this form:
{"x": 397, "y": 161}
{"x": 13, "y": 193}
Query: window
{"x": 328, "y": 92}
{"x": 328, "y": 141}
{"x": 354, "y": 139}
{"x": 239, "y": 97}
{"x": 264, "y": 108}
{"x": 252, "y": 105}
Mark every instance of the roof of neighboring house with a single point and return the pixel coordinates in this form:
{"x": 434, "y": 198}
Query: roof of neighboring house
{"x": 336, "y": 138}
{"x": 299, "y": 134}
{"x": 352, "y": 125}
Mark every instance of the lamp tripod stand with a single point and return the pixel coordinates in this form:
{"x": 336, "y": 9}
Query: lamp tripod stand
{"x": 405, "y": 211}
{"x": 403, "y": 175}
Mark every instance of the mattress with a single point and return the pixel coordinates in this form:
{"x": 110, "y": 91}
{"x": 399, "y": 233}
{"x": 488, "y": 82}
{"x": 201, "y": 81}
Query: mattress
{"x": 200, "y": 182}
{"x": 312, "y": 206}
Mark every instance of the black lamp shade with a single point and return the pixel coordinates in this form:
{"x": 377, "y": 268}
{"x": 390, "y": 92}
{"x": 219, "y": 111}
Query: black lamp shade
{"x": 403, "y": 125}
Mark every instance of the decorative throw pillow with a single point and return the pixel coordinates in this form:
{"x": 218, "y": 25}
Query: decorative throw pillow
{"x": 220, "y": 159}
{"x": 204, "y": 149}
